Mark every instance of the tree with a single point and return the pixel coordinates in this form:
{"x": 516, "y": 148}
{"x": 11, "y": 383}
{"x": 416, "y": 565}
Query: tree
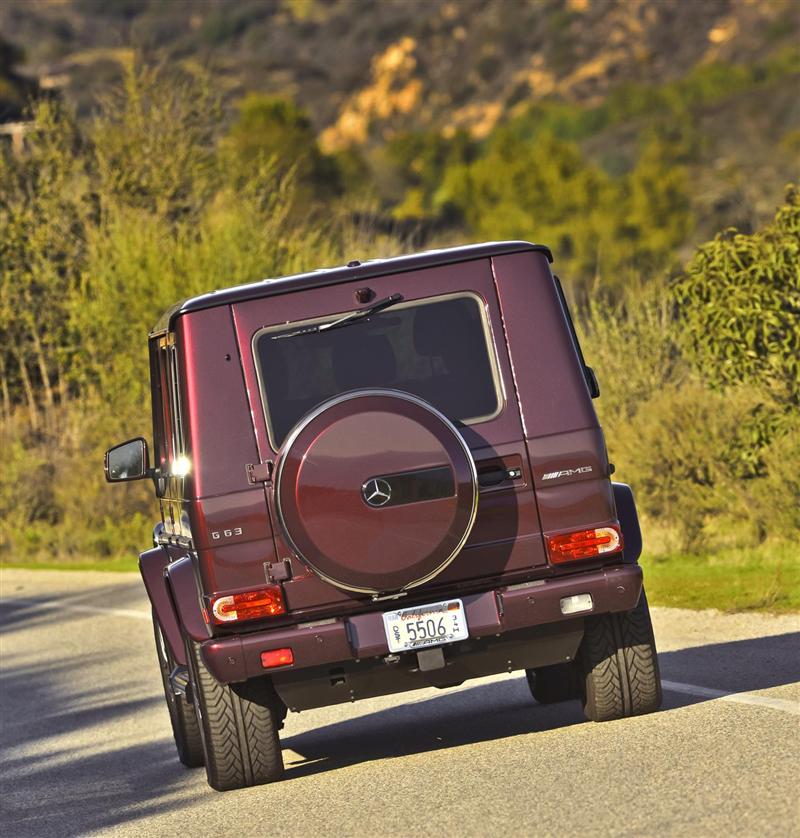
{"x": 739, "y": 304}
{"x": 15, "y": 89}
{"x": 270, "y": 128}
{"x": 42, "y": 206}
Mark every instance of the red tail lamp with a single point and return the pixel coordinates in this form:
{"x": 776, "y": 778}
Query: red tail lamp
{"x": 584, "y": 544}
{"x": 249, "y": 605}
{"x": 277, "y": 657}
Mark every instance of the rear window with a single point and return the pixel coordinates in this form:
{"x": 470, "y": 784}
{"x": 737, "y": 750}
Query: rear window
{"x": 437, "y": 349}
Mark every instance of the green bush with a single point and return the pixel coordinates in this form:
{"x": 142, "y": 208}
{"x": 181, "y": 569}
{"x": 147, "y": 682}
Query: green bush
{"x": 270, "y": 130}
{"x": 740, "y": 306}
{"x": 684, "y": 452}
{"x": 699, "y": 386}
{"x": 613, "y": 228}
{"x": 777, "y": 496}
{"x": 631, "y": 344}
{"x": 100, "y": 231}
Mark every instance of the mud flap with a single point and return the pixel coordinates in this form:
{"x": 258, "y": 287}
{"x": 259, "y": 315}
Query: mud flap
{"x": 629, "y": 521}
{"x": 152, "y": 564}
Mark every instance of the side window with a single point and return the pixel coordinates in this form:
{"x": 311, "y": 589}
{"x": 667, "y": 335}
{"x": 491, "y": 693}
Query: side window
{"x": 177, "y": 441}
{"x": 160, "y": 453}
{"x": 168, "y": 430}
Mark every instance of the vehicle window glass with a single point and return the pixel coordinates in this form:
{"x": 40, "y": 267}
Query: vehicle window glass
{"x": 437, "y": 349}
{"x": 175, "y": 402}
{"x": 167, "y": 414}
{"x": 159, "y": 418}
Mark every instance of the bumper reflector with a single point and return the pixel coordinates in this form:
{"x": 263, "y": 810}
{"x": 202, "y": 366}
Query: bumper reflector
{"x": 277, "y": 657}
{"x": 250, "y": 605}
{"x": 576, "y": 604}
{"x": 584, "y": 544}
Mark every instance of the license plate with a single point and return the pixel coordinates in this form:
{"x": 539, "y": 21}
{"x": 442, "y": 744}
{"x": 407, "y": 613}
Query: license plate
{"x": 425, "y": 625}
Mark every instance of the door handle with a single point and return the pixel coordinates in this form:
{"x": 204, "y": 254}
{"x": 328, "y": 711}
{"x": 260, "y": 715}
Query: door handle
{"x": 496, "y": 475}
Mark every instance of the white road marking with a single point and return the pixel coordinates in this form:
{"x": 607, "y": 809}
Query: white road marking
{"x": 782, "y": 704}
{"x": 50, "y": 605}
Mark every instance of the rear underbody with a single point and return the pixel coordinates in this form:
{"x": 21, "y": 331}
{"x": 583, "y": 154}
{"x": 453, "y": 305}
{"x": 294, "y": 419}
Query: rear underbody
{"x": 513, "y": 628}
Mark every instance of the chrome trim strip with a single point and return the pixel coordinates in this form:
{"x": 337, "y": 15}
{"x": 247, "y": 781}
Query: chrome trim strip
{"x": 318, "y": 623}
{"x": 536, "y": 583}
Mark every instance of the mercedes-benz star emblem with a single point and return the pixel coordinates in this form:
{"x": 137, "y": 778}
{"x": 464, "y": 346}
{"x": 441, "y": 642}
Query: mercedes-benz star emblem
{"x": 377, "y": 492}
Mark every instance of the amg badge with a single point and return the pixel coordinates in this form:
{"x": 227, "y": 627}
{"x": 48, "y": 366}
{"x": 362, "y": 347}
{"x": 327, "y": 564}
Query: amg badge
{"x": 551, "y": 475}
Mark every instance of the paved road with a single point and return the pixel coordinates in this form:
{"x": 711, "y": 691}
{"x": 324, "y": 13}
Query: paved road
{"x": 87, "y": 745}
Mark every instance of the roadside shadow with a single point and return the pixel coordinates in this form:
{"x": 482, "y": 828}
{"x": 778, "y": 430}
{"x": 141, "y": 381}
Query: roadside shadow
{"x": 503, "y": 709}
{"x": 20, "y": 613}
{"x": 69, "y": 765}
{"x": 57, "y": 713}
{"x": 80, "y": 754}
{"x": 738, "y": 665}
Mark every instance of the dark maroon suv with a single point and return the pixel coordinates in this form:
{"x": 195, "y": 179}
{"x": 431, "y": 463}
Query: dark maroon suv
{"x": 377, "y": 478}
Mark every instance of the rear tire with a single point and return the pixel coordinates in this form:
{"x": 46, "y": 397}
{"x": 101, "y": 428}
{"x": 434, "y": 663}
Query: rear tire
{"x": 554, "y": 684}
{"x": 239, "y": 727}
{"x": 619, "y": 665}
{"x": 185, "y": 729}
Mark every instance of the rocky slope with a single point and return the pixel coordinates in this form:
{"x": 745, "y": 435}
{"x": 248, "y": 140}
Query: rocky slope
{"x": 365, "y": 70}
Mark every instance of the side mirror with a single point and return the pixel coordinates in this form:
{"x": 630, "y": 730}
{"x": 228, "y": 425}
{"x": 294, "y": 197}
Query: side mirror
{"x": 594, "y": 384}
{"x": 127, "y": 461}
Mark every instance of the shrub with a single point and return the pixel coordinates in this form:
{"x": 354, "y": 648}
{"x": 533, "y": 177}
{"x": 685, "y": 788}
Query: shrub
{"x": 100, "y": 231}
{"x": 740, "y": 306}
{"x": 686, "y": 452}
{"x": 273, "y": 130}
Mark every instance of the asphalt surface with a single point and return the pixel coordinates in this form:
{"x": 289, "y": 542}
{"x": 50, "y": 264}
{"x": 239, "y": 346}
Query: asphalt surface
{"x": 87, "y": 747}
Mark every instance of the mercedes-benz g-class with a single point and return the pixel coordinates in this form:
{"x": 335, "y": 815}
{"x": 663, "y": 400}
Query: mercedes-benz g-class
{"x": 376, "y": 478}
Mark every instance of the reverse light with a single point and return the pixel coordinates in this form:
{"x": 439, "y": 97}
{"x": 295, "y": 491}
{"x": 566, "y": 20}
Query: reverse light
{"x": 277, "y": 657}
{"x": 576, "y": 604}
{"x": 584, "y": 544}
{"x": 250, "y": 605}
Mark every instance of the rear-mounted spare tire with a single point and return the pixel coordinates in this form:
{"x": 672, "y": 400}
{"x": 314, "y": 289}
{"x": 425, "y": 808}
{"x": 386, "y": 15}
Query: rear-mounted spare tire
{"x": 376, "y": 491}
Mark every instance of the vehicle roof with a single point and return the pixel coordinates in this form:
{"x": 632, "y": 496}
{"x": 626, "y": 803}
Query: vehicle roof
{"x": 354, "y": 270}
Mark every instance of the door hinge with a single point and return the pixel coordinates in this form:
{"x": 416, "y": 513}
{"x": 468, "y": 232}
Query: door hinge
{"x": 278, "y": 571}
{"x": 259, "y": 472}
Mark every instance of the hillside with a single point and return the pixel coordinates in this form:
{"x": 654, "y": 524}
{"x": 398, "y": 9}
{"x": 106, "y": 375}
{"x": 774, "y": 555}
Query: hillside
{"x": 400, "y": 90}
{"x": 363, "y": 69}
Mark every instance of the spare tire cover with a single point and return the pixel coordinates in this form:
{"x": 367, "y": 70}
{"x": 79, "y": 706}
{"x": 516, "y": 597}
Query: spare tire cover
{"x": 376, "y": 491}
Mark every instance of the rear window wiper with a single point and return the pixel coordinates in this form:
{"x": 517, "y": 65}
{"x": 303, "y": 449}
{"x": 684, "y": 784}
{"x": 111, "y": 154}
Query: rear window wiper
{"x": 347, "y": 320}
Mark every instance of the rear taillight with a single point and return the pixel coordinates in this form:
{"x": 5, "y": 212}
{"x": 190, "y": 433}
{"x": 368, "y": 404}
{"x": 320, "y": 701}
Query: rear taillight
{"x": 250, "y": 605}
{"x": 583, "y": 544}
{"x": 277, "y": 657}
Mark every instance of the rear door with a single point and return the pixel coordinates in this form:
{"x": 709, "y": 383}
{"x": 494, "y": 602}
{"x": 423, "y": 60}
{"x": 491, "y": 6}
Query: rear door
{"x": 445, "y": 343}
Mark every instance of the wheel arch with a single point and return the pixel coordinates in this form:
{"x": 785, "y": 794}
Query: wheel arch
{"x": 152, "y": 566}
{"x": 171, "y": 585}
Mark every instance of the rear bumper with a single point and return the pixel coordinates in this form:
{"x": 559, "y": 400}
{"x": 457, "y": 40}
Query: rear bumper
{"x": 491, "y": 614}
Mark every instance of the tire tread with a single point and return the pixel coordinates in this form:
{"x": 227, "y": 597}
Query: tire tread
{"x": 240, "y": 736}
{"x": 619, "y": 664}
